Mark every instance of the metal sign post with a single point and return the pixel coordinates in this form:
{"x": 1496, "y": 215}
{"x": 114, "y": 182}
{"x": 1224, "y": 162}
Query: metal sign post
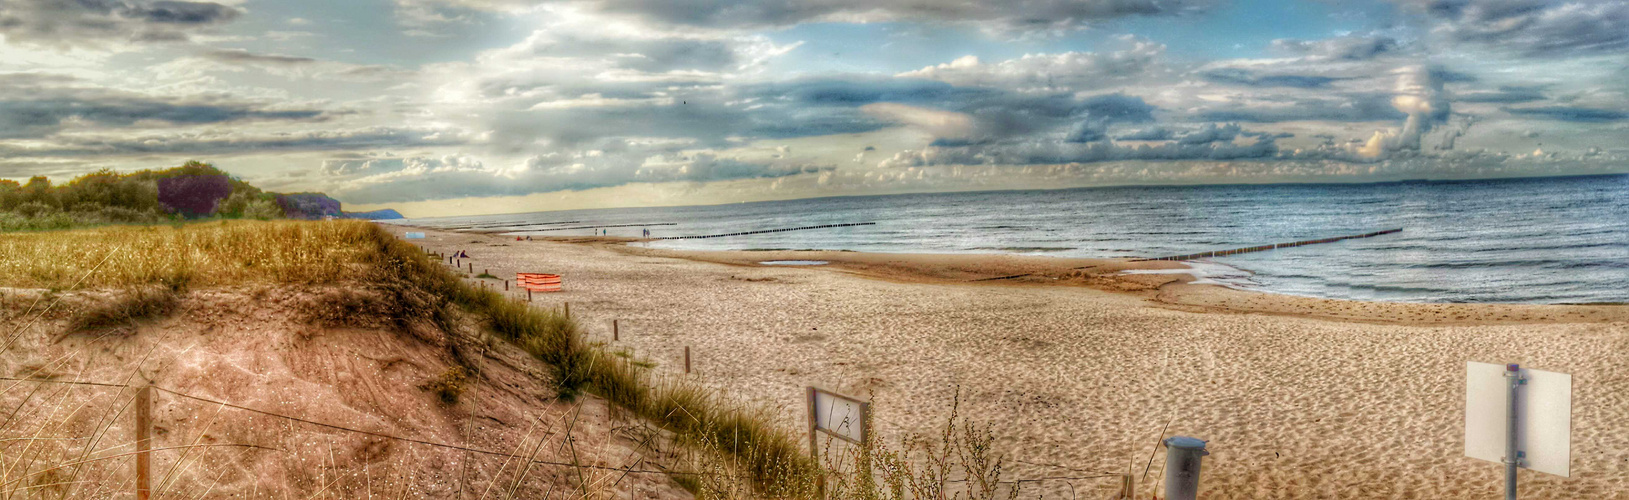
{"x": 1518, "y": 417}
{"x": 843, "y": 417}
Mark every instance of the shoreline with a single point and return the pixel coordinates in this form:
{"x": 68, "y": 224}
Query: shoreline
{"x": 1172, "y": 290}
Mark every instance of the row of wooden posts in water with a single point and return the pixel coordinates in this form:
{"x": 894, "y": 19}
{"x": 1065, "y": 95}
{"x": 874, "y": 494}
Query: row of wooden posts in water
{"x": 1220, "y": 253}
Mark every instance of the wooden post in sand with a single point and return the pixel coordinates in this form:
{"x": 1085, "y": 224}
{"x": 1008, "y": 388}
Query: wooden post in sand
{"x": 568, "y": 310}
{"x": 472, "y": 268}
{"x": 528, "y": 295}
{"x": 505, "y": 285}
{"x": 615, "y": 334}
{"x": 144, "y": 442}
{"x": 686, "y": 360}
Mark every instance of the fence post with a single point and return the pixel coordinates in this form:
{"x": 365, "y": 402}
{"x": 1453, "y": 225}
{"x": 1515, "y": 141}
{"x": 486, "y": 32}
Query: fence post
{"x": 615, "y": 333}
{"x": 472, "y": 268}
{"x": 568, "y": 310}
{"x": 144, "y": 427}
{"x": 528, "y": 295}
{"x": 686, "y": 360}
{"x": 505, "y": 285}
{"x": 1182, "y": 457}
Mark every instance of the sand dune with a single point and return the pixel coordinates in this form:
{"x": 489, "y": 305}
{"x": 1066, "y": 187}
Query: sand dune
{"x": 1299, "y": 398}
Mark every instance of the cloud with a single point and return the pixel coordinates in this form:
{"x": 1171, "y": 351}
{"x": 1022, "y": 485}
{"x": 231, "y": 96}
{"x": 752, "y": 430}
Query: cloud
{"x": 1535, "y": 28}
{"x": 385, "y": 180}
{"x": 36, "y": 105}
{"x": 1211, "y": 133}
{"x": 941, "y": 124}
{"x": 240, "y": 56}
{"x": 1571, "y": 114}
{"x": 1348, "y": 48}
{"x": 219, "y": 143}
{"x": 66, "y": 23}
{"x": 1023, "y": 15}
{"x": 1078, "y": 71}
{"x": 1419, "y": 95}
{"x": 1505, "y": 94}
{"x": 1148, "y": 134}
{"x": 1239, "y": 76}
{"x": 1347, "y": 107}
{"x": 1043, "y": 151}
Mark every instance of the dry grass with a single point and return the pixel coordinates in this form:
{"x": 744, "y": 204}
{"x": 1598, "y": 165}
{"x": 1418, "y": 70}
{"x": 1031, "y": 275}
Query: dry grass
{"x": 740, "y": 452}
{"x": 199, "y": 255}
{"x": 138, "y": 303}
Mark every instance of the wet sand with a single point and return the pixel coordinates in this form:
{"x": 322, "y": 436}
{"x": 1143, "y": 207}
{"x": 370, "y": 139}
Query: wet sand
{"x": 1078, "y": 367}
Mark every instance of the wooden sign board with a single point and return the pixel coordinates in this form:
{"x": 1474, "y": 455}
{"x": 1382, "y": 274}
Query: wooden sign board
{"x": 1543, "y": 417}
{"x": 843, "y": 417}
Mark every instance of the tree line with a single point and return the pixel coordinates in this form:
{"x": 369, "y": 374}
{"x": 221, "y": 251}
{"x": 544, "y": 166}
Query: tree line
{"x": 191, "y": 191}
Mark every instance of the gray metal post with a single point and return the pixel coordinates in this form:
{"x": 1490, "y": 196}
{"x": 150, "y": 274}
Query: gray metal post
{"x": 1512, "y": 456}
{"x": 1182, "y": 457}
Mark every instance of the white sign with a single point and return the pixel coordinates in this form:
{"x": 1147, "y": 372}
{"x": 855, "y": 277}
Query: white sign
{"x": 840, "y": 416}
{"x": 415, "y": 236}
{"x": 1543, "y": 417}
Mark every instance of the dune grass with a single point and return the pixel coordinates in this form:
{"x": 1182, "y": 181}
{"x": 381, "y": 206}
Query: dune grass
{"x": 413, "y": 286}
{"x": 739, "y": 452}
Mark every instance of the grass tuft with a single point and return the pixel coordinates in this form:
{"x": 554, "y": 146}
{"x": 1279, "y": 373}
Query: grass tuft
{"x": 139, "y": 303}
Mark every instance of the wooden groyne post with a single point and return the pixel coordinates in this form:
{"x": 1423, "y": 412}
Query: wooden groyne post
{"x": 1275, "y": 246}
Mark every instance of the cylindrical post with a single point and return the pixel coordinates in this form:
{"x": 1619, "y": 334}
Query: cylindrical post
{"x": 814, "y": 449}
{"x": 1513, "y": 372}
{"x": 505, "y": 285}
{"x": 568, "y": 310}
{"x": 1182, "y": 457}
{"x": 615, "y": 333}
{"x": 686, "y": 360}
{"x": 528, "y": 295}
{"x": 472, "y": 267}
{"x": 483, "y": 271}
{"x": 144, "y": 442}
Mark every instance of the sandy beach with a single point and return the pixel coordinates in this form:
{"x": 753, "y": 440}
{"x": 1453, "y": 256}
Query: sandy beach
{"x": 1078, "y": 367}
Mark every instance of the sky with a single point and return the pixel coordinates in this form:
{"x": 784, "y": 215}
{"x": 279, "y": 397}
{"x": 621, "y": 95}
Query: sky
{"x": 454, "y": 107}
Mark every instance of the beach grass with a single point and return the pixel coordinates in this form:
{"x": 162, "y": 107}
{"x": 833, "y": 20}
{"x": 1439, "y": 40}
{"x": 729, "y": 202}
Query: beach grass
{"x": 153, "y": 263}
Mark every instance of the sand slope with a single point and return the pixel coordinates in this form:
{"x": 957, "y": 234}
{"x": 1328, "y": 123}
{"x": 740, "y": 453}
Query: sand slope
{"x": 1348, "y": 405}
{"x": 251, "y": 347}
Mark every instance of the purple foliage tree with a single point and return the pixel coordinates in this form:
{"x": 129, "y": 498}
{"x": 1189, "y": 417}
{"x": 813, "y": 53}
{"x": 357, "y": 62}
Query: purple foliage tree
{"x": 193, "y": 195}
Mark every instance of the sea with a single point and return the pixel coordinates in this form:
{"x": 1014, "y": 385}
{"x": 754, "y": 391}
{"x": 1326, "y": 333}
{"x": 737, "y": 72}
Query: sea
{"x": 1531, "y": 240}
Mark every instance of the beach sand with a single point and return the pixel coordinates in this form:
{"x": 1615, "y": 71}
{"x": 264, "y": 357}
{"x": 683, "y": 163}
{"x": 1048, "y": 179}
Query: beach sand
{"x": 1078, "y": 367}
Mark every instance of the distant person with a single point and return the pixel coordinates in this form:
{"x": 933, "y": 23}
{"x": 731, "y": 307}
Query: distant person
{"x": 528, "y": 237}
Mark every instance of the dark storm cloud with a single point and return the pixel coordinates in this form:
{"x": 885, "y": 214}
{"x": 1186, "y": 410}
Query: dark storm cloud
{"x": 1571, "y": 114}
{"x": 34, "y": 106}
{"x": 1537, "y": 28}
{"x": 1237, "y": 76}
{"x": 91, "y": 22}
